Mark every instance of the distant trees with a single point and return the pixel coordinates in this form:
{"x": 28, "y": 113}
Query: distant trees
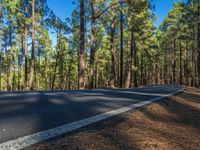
{"x": 19, "y": 20}
{"x": 103, "y": 44}
{"x": 179, "y": 42}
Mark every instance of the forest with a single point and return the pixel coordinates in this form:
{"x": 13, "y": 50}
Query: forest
{"x": 105, "y": 43}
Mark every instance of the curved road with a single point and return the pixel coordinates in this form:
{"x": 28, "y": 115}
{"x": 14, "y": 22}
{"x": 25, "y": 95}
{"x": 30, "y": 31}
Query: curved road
{"x": 25, "y": 113}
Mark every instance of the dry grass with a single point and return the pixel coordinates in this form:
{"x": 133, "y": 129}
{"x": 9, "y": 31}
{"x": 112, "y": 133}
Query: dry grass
{"x": 173, "y": 124}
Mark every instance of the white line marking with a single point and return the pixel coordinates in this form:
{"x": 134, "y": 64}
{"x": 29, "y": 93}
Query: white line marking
{"x": 28, "y": 140}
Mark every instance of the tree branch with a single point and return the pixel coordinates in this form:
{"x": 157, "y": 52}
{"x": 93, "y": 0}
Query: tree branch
{"x": 111, "y": 5}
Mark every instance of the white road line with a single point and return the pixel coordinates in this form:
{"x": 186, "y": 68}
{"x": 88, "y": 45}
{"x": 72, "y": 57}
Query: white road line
{"x": 28, "y": 140}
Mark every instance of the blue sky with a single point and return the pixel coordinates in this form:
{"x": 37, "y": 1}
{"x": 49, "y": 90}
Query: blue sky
{"x": 162, "y": 9}
{"x": 64, "y": 8}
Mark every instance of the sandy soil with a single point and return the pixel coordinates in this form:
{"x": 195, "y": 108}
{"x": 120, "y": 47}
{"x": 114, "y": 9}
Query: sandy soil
{"x": 173, "y": 124}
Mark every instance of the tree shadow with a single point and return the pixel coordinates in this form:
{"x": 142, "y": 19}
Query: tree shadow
{"x": 44, "y": 110}
{"x": 114, "y": 134}
{"x": 182, "y": 113}
{"x": 30, "y": 112}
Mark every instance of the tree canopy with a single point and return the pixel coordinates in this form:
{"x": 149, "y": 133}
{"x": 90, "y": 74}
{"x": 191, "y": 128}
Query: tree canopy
{"x": 105, "y": 43}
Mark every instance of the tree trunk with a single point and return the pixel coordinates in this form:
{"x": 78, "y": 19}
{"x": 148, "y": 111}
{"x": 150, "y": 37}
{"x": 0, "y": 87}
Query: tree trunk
{"x": 26, "y": 53}
{"x": 165, "y": 74}
{"x": 1, "y": 53}
{"x": 181, "y": 75}
{"x": 141, "y": 70}
{"x": 157, "y": 75}
{"x": 35, "y": 74}
{"x": 39, "y": 71}
{"x": 20, "y": 84}
{"x": 186, "y": 67}
{"x": 135, "y": 64}
{"x": 26, "y": 58}
{"x": 69, "y": 73}
{"x": 46, "y": 76}
{"x": 81, "y": 70}
{"x": 112, "y": 49}
{"x": 193, "y": 64}
{"x": 54, "y": 72}
{"x": 97, "y": 75}
{"x": 121, "y": 46}
{"x": 174, "y": 64}
{"x": 33, "y": 47}
{"x": 0, "y": 61}
{"x": 6, "y": 67}
{"x": 150, "y": 77}
{"x": 13, "y": 78}
{"x": 18, "y": 78}
{"x": 92, "y": 49}
{"x": 198, "y": 43}
{"x": 61, "y": 61}
{"x": 130, "y": 63}
{"x": 10, "y": 62}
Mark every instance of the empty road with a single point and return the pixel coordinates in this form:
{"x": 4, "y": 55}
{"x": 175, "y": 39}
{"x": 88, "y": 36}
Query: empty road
{"x": 25, "y": 113}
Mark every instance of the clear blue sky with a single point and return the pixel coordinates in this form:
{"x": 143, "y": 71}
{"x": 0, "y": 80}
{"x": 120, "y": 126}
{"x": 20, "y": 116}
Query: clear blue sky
{"x": 162, "y": 9}
{"x": 63, "y": 9}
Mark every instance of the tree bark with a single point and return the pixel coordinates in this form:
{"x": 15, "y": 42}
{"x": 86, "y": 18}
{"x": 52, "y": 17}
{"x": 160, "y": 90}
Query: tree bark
{"x": 92, "y": 49}
{"x": 157, "y": 71}
{"x": 61, "y": 70}
{"x": 26, "y": 52}
{"x": 26, "y": 57}
{"x": 81, "y": 70}
{"x": 198, "y": 43}
{"x": 33, "y": 47}
{"x": 181, "y": 70}
{"x": 13, "y": 78}
{"x": 112, "y": 49}
{"x": 174, "y": 64}
{"x": 39, "y": 71}
{"x": 69, "y": 73}
{"x": 21, "y": 84}
{"x": 165, "y": 70}
{"x": 46, "y": 72}
{"x": 135, "y": 64}
{"x": 18, "y": 78}
{"x": 121, "y": 46}
{"x": 10, "y": 61}
{"x": 1, "y": 67}
{"x": 6, "y": 67}
{"x": 186, "y": 67}
{"x": 0, "y": 60}
{"x": 97, "y": 75}
{"x": 130, "y": 63}
{"x": 142, "y": 69}
{"x": 54, "y": 72}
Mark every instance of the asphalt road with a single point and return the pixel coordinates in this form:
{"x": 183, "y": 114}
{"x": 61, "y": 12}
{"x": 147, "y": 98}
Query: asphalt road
{"x": 24, "y": 113}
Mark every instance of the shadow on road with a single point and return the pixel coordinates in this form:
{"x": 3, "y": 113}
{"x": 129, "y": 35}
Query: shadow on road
{"x": 172, "y": 124}
{"x": 26, "y": 113}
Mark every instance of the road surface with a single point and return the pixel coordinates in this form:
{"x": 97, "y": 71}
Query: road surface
{"x": 25, "y": 113}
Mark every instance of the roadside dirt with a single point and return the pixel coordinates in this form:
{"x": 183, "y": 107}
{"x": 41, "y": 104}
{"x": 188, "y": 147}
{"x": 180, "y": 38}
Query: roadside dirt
{"x": 173, "y": 124}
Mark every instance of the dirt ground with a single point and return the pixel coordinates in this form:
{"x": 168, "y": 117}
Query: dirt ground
{"x": 173, "y": 124}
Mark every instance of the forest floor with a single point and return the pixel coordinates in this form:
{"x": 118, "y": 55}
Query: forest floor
{"x": 172, "y": 123}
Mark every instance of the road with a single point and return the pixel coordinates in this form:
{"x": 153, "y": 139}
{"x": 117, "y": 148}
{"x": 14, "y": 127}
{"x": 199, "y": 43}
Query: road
{"x": 25, "y": 113}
